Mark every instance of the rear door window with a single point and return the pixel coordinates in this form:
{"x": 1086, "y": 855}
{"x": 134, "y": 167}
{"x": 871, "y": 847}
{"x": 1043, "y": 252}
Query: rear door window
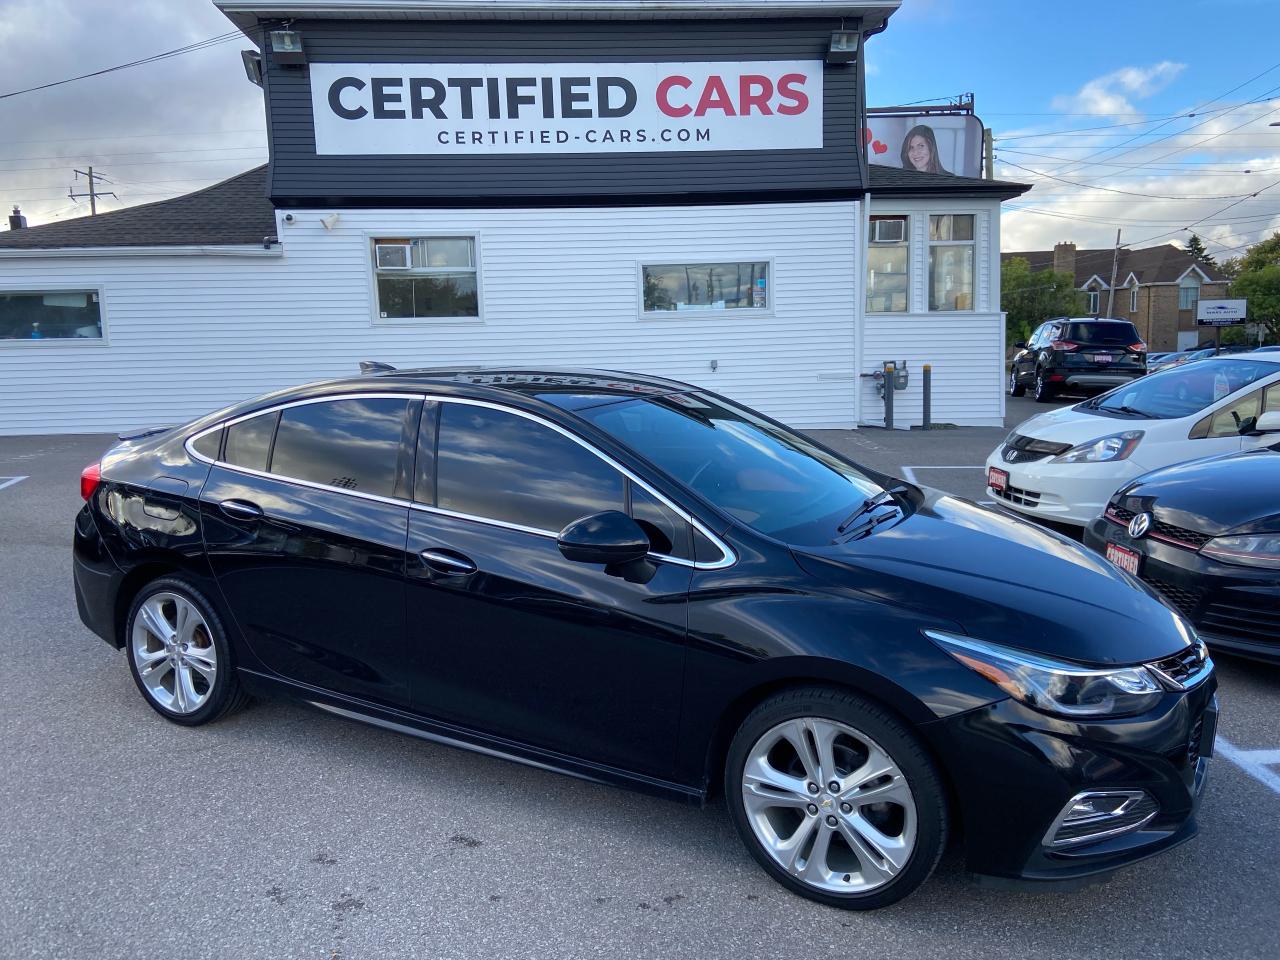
{"x": 500, "y": 466}
{"x": 354, "y": 444}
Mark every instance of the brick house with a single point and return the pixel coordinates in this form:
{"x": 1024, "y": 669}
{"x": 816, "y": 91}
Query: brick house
{"x": 1156, "y": 287}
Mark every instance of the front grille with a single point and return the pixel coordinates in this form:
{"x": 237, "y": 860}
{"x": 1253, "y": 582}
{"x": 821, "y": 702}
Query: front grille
{"x": 1256, "y": 619}
{"x": 1186, "y": 602}
{"x": 1185, "y": 667}
{"x": 1179, "y": 536}
{"x": 1026, "y": 498}
{"x": 1020, "y": 449}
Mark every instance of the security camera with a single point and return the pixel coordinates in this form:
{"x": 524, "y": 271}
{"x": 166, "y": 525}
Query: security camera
{"x": 288, "y": 218}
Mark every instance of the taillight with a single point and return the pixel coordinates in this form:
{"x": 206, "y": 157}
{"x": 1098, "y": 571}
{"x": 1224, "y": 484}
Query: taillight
{"x": 1138, "y": 347}
{"x": 1064, "y": 345}
{"x": 90, "y": 477}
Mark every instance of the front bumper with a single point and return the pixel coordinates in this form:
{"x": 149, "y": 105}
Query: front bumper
{"x": 1065, "y": 492}
{"x": 1232, "y": 607}
{"x": 1015, "y": 768}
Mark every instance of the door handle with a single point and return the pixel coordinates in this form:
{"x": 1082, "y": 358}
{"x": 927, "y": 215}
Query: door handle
{"x": 447, "y": 562}
{"x": 241, "y": 509}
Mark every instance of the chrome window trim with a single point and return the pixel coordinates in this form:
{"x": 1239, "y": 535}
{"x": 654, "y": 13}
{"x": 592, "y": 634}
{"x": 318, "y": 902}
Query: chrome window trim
{"x": 727, "y": 557}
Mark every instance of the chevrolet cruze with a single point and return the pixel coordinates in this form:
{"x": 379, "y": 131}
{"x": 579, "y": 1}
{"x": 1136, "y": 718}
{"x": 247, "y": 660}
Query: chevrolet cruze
{"x": 642, "y": 583}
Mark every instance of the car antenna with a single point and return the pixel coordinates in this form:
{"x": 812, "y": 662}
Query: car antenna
{"x": 369, "y": 367}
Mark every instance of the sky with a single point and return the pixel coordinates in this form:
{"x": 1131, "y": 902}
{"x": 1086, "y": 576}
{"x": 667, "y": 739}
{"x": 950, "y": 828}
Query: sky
{"x": 1090, "y": 92}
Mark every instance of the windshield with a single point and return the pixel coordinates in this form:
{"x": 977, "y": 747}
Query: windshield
{"x": 771, "y": 479}
{"x": 1114, "y": 334}
{"x": 1186, "y": 389}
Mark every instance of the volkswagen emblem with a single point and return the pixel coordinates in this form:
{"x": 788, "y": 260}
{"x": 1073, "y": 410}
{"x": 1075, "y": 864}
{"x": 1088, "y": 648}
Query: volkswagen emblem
{"x": 1139, "y": 526}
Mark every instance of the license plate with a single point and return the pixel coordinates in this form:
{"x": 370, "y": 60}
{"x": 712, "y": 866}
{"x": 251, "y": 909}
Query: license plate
{"x": 1101, "y": 357}
{"x": 1124, "y": 558}
{"x": 997, "y": 479}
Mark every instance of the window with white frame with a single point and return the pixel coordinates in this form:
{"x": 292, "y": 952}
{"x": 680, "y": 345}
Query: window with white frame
{"x": 678, "y": 287}
{"x": 951, "y": 255}
{"x": 427, "y": 278}
{"x": 1094, "y": 298}
{"x": 1133, "y": 298}
{"x": 50, "y": 315}
{"x": 1188, "y": 292}
{"x": 889, "y": 265}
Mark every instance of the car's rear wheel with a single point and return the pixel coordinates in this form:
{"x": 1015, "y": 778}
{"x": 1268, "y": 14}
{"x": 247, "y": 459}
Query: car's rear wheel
{"x": 836, "y": 798}
{"x": 179, "y": 654}
{"x": 1016, "y": 389}
{"x": 1044, "y": 392}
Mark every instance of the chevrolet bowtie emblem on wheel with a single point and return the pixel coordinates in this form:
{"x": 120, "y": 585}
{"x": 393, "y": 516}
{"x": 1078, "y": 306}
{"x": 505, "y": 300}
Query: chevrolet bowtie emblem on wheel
{"x": 1139, "y": 526}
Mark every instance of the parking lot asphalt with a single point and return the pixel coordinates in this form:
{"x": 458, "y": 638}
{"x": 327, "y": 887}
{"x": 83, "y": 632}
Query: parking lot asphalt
{"x": 283, "y": 833}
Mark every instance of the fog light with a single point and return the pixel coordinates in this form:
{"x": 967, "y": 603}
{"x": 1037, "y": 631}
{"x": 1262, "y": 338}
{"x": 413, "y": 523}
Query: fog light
{"x": 1088, "y": 817}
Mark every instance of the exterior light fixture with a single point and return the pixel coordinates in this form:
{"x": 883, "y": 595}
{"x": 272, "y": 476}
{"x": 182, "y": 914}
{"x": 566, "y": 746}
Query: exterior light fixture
{"x": 286, "y": 47}
{"x": 252, "y": 65}
{"x": 843, "y": 47}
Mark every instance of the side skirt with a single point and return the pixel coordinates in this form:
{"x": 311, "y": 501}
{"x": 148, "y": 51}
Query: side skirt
{"x": 465, "y": 739}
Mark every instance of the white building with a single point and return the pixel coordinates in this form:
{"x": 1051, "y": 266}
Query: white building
{"x": 756, "y": 253}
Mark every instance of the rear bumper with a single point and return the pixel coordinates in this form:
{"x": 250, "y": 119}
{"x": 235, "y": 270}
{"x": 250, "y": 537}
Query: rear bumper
{"x": 1097, "y": 381}
{"x": 1233, "y": 608}
{"x": 96, "y": 578}
{"x": 1015, "y": 769}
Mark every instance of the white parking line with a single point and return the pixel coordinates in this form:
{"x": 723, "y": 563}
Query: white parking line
{"x": 10, "y": 481}
{"x": 910, "y": 474}
{"x": 1252, "y": 762}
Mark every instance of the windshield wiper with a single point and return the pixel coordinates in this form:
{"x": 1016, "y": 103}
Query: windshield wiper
{"x": 880, "y": 499}
{"x": 1132, "y": 411}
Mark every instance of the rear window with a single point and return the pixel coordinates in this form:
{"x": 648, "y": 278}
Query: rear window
{"x": 1117, "y": 334}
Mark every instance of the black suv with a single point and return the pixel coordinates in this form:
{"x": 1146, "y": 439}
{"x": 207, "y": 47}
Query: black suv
{"x": 1077, "y": 354}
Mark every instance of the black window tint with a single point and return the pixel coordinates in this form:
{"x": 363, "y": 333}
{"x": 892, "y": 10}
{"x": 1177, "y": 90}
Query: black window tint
{"x": 249, "y": 441}
{"x": 353, "y": 444}
{"x": 704, "y": 551}
{"x": 500, "y": 466}
{"x": 1111, "y": 334}
{"x": 209, "y": 445}
{"x": 668, "y": 532}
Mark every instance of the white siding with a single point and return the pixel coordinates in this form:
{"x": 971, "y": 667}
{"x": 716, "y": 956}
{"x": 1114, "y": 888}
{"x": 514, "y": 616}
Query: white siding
{"x": 559, "y": 287}
{"x": 965, "y": 349}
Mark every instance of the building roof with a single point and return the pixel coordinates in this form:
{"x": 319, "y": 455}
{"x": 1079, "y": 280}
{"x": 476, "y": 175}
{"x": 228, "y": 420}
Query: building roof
{"x": 897, "y": 182}
{"x": 234, "y": 212}
{"x": 1165, "y": 263}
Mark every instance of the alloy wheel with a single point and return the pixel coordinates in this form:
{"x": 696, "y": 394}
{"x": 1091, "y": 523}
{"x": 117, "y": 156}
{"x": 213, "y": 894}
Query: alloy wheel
{"x": 829, "y": 805}
{"x": 174, "y": 652}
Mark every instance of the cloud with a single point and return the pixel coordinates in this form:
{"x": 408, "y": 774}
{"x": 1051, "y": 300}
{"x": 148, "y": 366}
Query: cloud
{"x": 1109, "y": 94}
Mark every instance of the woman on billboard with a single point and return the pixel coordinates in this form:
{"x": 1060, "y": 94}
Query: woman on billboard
{"x": 920, "y": 151}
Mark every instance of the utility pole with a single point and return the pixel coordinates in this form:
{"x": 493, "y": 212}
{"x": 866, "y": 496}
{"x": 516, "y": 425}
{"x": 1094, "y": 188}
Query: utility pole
{"x": 1115, "y": 265}
{"x": 94, "y": 193}
{"x": 989, "y": 152}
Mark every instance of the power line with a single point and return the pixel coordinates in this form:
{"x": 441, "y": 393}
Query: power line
{"x": 1210, "y": 215}
{"x": 1127, "y": 193}
{"x": 177, "y": 52}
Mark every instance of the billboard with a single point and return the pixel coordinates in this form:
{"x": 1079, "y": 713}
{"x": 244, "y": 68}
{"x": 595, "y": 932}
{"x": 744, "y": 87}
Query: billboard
{"x": 474, "y": 109}
{"x": 933, "y": 143}
{"x": 1220, "y": 313}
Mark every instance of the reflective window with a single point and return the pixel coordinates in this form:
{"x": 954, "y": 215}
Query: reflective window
{"x": 1226, "y": 422}
{"x": 1188, "y": 292}
{"x": 500, "y": 466}
{"x": 249, "y": 441}
{"x": 426, "y": 278}
{"x": 668, "y": 532}
{"x": 766, "y": 476}
{"x": 1186, "y": 389}
{"x": 951, "y": 253}
{"x": 352, "y": 444}
{"x": 706, "y": 286}
{"x": 51, "y": 315}
{"x": 209, "y": 445}
{"x": 888, "y": 266}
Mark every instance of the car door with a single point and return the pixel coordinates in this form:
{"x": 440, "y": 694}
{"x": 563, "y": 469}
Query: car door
{"x": 511, "y": 637}
{"x": 305, "y": 516}
{"x": 1026, "y": 359}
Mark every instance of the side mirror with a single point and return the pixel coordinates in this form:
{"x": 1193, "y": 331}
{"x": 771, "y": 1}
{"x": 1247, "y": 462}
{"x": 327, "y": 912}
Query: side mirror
{"x": 611, "y": 538}
{"x": 1020, "y": 345}
{"x": 1269, "y": 422}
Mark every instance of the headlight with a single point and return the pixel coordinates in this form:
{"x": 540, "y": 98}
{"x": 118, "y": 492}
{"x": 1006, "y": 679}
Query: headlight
{"x": 1118, "y": 446}
{"x": 1262, "y": 550}
{"x": 1051, "y": 685}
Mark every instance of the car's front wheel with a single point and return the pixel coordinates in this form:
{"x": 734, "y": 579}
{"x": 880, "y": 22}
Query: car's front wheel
{"x": 1016, "y": 389}
{"x": 836, "y": 798}
{"x": 179, "y": 654}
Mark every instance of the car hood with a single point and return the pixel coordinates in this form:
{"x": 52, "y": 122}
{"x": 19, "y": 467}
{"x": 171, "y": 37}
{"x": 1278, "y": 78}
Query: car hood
{"x": 1230, "y": 493}
{"x": 1073, "y": 426}
{"x": 1004, "y": 580}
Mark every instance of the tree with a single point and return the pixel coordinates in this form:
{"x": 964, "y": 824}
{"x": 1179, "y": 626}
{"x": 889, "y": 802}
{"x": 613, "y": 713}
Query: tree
{"x": 1257, "y": 279}
{"x": 1029, "y": 299}
{"x": 1196, "y": 247}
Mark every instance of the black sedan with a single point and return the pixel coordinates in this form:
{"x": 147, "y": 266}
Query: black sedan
{"x": 640, "y": 582}
{"x": 1206, "y": 536}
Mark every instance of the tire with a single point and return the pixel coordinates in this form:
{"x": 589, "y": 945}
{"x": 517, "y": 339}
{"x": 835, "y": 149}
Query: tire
{"x": 1016, "y": 389}
{"x": 174, "y": 631}
{"x": 900, "y": 838}
{"x": 1043, "y": 392}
